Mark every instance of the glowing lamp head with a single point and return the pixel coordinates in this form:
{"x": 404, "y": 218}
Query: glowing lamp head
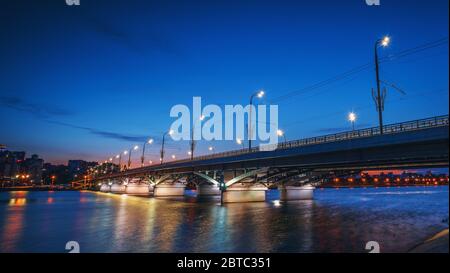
{"x": 135, "y": 147}
{"x": 352, "y": 117}
{"x": 189, "y": 153}
{"x": 260, "y": 94}
{"x": 171, "y": 132}
{"x": 117, "y": 156}
{"x": 239, "y": 141}
{"x": 280, "y": 133}
{"x": 125, "y": 152}
{"x": 210, "y": 148}
{"x": 202, "y": 117}
{"x": 150, "y": 141}
{"x": 385, "y": 41}
{"x": 173, "y": 156}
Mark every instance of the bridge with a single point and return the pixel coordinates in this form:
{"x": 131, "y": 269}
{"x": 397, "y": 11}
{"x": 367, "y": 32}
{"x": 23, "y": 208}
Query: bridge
{"x": 295, "y": 166}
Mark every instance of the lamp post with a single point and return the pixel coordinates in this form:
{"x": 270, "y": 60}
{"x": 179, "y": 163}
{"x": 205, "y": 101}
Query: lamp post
{"x": 150, "y": 141}
{"x": 191, "y": 153}
{"x": 170, "y": 132}
{"x": 384, "y": 42}
{"x": 129, "y": 156}
{"x": 280, "y": 133}
{"x": 352, "y": 119}
{"x": 258, "y": 94}
{"x": 240, "y": 142}
{"x": 120, "y": 159}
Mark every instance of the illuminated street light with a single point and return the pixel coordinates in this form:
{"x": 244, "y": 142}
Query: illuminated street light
{"x": 258, "y": 94}
{"x": 170, "y": 132}
{"x": 173, "y": 156}
{"x": 129, "y": 155}
{"x": 379, "y": 99}
{"x": 352, "y": 119}
{"x": 150, "y": 141}
{"x": 385, "y": 41}
{"x": 201, "y": 118}
{"x": 280, "y": 133}
{"x": 240, "y": 142}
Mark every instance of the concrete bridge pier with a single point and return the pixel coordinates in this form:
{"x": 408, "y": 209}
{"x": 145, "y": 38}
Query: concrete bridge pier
{"x": 176, "y": 189}
{"x": 207, "y": 189}
{"x": 138, "y": 189}
{"x": 244, "y": 194}
{"x": 105, "y": 187}
{"x": 297, "y": 193}
{"x": 116, "y": 187}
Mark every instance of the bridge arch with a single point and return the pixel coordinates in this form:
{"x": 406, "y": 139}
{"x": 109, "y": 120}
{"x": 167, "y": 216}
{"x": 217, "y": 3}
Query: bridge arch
{"x": 245, "y": 175}
{"x": 207, "y": 178}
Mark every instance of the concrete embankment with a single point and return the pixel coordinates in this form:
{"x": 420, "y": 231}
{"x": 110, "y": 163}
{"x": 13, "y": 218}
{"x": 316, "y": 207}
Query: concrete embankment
{"x": 436, "y": 244}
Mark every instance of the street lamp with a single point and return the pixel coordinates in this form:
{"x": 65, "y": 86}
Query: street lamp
{"x": 240, "y": 142}
{"x": 280, "y": 133}
{"x": 170, "y": 132}
{"x": 379, "y": 99}
{"x": 352, "y": 119}
{"x": 201, "y": 118}
{"x": 120, "y": 159}
{"x": 150, "y": 141}
{"x": 211, "y": 148}
{"x": 258, "y": 94}
{"x": 129, "y": 155}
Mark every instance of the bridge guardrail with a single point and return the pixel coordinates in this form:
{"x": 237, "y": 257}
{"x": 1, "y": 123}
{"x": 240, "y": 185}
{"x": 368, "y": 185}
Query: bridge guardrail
{"x": 369, "y": 132}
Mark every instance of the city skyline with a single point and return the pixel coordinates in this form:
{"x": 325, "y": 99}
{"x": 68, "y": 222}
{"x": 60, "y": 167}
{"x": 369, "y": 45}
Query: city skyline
{"x": 62, "y": 103}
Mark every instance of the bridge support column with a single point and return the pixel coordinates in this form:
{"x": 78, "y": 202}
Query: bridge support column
{"x": 137, "y": 189}
{"x": 168, "y": 190}
{"x": 297, "y": 193}
{"x": 105, "y": 188}
{"x": 207, "y": 189}
{"x": 248, "y": 194}
{"x": 118, "y": 188}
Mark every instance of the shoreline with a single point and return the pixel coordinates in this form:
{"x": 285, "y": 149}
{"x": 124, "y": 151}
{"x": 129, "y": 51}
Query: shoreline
{"x": 438, "y": 243}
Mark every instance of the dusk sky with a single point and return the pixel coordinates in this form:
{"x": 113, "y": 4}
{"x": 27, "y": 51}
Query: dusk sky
{"x": 88, "y": 81}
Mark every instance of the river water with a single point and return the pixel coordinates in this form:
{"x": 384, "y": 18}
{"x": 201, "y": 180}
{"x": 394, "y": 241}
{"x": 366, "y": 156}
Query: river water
{"x": 337, "y": 220}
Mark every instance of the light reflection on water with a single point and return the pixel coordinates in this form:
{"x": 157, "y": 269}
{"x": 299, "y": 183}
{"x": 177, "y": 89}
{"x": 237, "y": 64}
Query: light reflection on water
{"x": 336, "y": 221}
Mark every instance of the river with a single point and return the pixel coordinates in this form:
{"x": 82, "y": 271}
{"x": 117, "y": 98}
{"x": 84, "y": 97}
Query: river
{"x": 337, "y": 220}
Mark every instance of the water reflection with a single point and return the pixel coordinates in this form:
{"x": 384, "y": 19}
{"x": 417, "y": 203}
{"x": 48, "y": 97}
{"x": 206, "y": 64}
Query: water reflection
{"x": 336, "y": 221}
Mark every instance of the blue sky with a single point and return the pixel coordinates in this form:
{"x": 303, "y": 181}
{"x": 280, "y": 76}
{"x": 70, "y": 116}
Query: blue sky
{"x": 87, "y": 82}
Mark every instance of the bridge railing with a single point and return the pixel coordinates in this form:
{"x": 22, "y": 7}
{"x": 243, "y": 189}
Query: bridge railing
{"x": 362, "y": 133}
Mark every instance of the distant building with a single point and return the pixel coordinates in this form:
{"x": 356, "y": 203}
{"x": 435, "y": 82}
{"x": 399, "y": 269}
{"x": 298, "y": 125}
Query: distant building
{"x": 78, "y": 168}
{"x": 33, "y": 167}
{"x": 10, "y": 164}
